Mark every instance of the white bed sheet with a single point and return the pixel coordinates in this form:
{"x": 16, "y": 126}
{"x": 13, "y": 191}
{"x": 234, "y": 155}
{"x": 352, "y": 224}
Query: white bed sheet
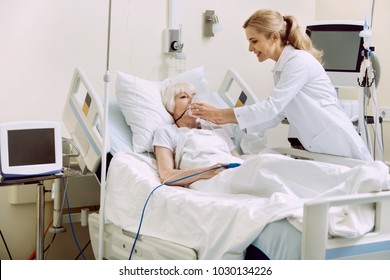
{"x": 220, "y": 225}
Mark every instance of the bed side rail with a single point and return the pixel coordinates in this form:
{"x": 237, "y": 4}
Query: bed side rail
{"x": 83, "y": 118}
{"x": 315, "y": 241}
{"x": 234, "y": 91}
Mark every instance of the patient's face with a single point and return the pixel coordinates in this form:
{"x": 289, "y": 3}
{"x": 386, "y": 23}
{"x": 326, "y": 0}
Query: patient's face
{"x": 182, "y": 103}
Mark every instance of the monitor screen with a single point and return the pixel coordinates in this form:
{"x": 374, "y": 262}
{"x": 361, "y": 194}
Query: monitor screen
{"x": 341, "y": 50}
{"x": 342, "y": 47}
{"x": 31, "y": 146}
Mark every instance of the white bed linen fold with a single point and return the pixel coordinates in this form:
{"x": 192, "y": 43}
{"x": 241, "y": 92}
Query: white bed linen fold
{"x": 221, "y": 217}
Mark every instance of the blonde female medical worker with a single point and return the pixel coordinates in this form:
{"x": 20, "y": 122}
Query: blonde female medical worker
{"x": 303, "y": 92}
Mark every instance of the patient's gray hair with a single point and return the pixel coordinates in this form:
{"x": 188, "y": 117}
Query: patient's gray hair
{"x": 168, "y": 96}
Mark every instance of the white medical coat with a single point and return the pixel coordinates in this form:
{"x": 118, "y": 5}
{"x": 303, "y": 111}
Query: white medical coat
{"x": 305, "y": 95}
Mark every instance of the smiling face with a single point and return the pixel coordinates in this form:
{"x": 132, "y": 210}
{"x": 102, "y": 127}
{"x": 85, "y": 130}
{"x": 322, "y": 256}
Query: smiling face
{"x": 263, "y": 47}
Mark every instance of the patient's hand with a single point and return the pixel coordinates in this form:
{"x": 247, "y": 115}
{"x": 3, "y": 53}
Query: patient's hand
{"x": 214, "y": 170}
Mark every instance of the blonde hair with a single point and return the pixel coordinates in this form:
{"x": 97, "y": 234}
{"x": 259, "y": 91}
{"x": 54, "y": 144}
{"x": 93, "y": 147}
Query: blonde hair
{"x": 170, "y": 92}
{"x": 267, "y": 22}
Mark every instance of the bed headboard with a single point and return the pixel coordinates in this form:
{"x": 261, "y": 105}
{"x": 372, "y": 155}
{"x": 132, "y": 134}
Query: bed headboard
{"x": 234, "y": 91}
{"x": 82, "y": 117}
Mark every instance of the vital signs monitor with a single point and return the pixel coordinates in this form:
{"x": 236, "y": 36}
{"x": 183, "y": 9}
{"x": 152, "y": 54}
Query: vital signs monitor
{"x": 30, "y": 148}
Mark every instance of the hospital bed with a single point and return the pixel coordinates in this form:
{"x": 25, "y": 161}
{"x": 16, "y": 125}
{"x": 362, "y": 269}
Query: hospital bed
{"x": 192, "y": 224}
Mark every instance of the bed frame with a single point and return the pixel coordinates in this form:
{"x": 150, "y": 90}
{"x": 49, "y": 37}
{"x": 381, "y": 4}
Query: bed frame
{"x": 315, "y": 241}
{"x": 118, "y": 242}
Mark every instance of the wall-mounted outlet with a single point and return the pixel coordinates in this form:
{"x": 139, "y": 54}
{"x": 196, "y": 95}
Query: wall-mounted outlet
{"x": 172, "y": 42}
{"x": 385, "y": 113}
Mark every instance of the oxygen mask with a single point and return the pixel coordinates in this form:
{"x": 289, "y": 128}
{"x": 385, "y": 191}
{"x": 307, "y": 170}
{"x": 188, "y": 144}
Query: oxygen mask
{"x": 194, "y": 99}
{"x": 188, "y": 108}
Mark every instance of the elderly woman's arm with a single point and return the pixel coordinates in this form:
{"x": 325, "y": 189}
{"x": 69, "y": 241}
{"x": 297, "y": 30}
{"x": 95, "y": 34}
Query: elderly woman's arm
{"x": 168, "y": 172}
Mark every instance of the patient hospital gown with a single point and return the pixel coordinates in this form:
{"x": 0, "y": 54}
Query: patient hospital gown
{"x": 196, "y": 147}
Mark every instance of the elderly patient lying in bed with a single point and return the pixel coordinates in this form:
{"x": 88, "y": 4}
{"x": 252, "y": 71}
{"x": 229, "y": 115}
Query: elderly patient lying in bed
{"x": 186, "y": 147}
{"x": 190, "y": 146}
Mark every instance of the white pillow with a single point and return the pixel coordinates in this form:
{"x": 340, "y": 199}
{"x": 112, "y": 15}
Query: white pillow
{"x": 195, "y": 77}
{"x": 121, "y": 136}
{"x": 141, "y": 105}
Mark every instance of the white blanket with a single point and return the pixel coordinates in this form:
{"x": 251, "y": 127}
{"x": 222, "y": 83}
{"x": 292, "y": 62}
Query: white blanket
{"x": 221, "y": 217}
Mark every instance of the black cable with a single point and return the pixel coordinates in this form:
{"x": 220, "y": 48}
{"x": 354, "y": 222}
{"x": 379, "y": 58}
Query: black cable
{"x": 182, "y": 114}
{"x": 51, "y": 242}
{"x": 383, "y": 141}
{"x": 48, "y": 246}
{"x": 6, "y": 246}
{"x": 82, "y": 251}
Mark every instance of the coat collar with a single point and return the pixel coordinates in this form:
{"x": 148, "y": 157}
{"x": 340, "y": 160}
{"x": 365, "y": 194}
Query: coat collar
{"x": 284, "y": 57}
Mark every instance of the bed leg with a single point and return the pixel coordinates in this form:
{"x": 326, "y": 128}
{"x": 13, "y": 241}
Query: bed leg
{"x": 314, "y": 232}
